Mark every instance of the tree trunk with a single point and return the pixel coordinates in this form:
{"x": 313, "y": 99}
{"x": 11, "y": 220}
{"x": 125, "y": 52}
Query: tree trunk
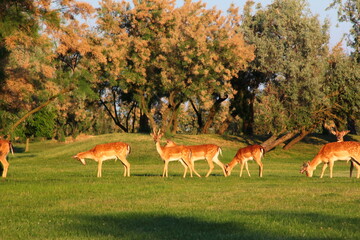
{"x": 144, "y": 123}
{"x": 248, "y": 119}
{"x": 114, "y": 116}
{"x": 144, "y": 107}
{"x": 27, "y": 143}
{"x": 213, "y": 111}
{"x": 297, "y": 139}
{"x": 198, "y": 115}
{"x": 174, "y": 119}
{"x": 225, "y": 125}
{"x": 274, "y": 141}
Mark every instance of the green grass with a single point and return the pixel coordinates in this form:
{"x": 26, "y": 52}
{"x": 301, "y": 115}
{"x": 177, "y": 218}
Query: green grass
{"x": 49, "y": 195}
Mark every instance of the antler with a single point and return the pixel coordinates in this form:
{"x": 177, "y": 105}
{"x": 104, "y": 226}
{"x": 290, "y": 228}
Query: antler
{"x": 156, "y": 136}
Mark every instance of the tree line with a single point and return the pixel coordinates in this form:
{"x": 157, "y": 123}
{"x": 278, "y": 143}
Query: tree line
{"x": 67, "y": 68}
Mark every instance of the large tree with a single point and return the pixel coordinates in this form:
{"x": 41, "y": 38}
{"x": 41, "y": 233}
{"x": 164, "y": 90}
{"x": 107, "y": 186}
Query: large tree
{"x": 30, "y": 41}
{"x": 166, "y": 55}
{"x": 291, "y": 46}
{"x": 343, "y": 74}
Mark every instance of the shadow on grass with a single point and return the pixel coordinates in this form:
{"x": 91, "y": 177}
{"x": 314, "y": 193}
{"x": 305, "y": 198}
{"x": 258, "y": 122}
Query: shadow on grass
{"x": 249, "y": 225}
{"x": 247, "y": 140}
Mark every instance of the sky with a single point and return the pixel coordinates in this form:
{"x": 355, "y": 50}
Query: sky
{"x": 318, "y": 7}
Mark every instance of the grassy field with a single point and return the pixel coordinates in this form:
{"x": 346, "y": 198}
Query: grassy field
{"x": 49, "y": 195}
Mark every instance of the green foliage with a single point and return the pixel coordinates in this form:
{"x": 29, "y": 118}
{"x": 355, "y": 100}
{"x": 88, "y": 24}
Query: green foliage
{"x": 349, "y": 11}
{"x": 41, "y": 124}
{"x": 342, "y": 80}
{"x": 290, "y": 54}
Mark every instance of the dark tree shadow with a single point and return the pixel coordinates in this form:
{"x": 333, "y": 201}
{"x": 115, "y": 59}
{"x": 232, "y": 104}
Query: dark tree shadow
{"x": 128, "y": 225}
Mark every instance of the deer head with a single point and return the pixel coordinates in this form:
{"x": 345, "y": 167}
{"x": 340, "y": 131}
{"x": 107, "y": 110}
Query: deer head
{"x": 307, "y": 169}
{"x": 157, "y": 136}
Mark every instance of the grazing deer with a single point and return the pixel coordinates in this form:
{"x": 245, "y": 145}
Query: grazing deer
{"x": 340, "y": 138}
{"x": 103, "y": 152}
{"x": 175, "y": 153}
{"x": 209, "y": 152}
{"x": 243, "y": 155}
{"x": 332, "y": 152}
{"x": 5, "y": 148}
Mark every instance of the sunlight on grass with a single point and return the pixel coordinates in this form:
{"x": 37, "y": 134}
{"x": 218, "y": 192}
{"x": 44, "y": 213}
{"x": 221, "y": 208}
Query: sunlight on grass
{"x": 49, "y": 195}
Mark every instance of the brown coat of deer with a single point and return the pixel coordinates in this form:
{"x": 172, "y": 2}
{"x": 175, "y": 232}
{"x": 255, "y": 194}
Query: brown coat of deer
{"x": 243, "y": 155}
{"x": 175, "y": 153}
{"x": 209, "y": 152}
{"x": 332, "y": 152}
{"x": 5, "y": 148}
{"x": 340, "y": 138}
{"x": 107, "y": 151}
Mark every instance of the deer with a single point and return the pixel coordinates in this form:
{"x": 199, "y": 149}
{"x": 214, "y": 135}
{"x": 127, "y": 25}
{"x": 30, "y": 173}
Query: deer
{"x": 209, "y": 152}
{"x": 331, "y": 152}
{"x": 107, "y": 151}
{"x": 5, "y": 148}
{"x": 173, "y": 153}
{"x": 340, "y": 138}
{"x": 243, "y": 155}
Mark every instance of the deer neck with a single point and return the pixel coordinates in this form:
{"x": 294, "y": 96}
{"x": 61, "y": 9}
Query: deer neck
{"x": 159, "y": 148}
{"x": 233, "y": 163}
{"x": 315, "y": 162}
{"x": 87, "y": 154}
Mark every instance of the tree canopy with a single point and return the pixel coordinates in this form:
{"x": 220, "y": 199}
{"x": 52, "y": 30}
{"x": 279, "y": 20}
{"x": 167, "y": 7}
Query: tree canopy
{"x": 146, "y": 64}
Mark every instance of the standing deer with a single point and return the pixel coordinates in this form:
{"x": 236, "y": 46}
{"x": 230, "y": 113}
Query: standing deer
{"x": 5, "y": 148}
{"x": 107, "y": 151}
{"x": 175, "y": 153}
{"x": 209, "y": 152}
{"x": 332, "y": 152}
{"x": 243, "y": 155}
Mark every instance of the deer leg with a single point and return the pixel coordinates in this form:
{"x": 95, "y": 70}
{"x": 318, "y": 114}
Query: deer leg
{"x": 242, "y": 167}
{"x": 220, "y": 164}
{"x": 5, "y": 164}
{"x": 211, "y": 166}
{"x": 126, "y": 165}
{"x": 331, "y": 165}
{"x": 351, "y": 168}
{"x": 192, "y": 169}
{"x": 323, "y": 170}
{"x": 99, "y": 168}
{"x": 261, "y": 165}
{"x": 165, "y": 171}
{"x": 247, "y": 168}
{"x": 185, "y": 168}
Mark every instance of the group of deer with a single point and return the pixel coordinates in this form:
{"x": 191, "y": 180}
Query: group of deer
{"x": 187, "y": 155}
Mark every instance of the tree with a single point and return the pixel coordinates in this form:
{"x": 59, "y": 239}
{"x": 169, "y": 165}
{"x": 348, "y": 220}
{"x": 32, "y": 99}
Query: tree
{"x": 349, "y": 11}
{"x": 342, "y": 80}
{"x": 166, "y": 55}
{"x": 29, "y": 53}
{"x": 345, "y": 69}
{"x": 290, "y": 62}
